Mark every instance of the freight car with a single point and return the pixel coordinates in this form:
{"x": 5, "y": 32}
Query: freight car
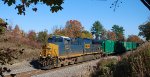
{"x": 61, "y": 50}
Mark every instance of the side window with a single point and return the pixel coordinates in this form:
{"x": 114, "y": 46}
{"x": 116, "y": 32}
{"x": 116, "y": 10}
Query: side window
{"x": 58, "y": 40}
{"x": 66, "y": 41}
{"x": 73, "y": 41}
{"x": 50, "y": 40}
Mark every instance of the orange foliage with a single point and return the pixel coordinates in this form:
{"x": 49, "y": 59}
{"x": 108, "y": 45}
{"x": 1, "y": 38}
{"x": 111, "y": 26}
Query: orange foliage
{"x": 18, "y": 36}
{"x": 72, "y": 29}
{"x": 134, "y": 38}
{"x": 17, "y": 31}
{"x": 120, "y": 37}
{"x": 111, "y": 35}
{"x": 32, "y": 35}
{"x": 59, "y": 32}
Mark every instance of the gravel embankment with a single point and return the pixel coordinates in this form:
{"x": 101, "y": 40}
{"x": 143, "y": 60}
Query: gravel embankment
{"x": 84, "y": 69}
{"x": 79, "y": 70}
{"x": 19, "y": 67}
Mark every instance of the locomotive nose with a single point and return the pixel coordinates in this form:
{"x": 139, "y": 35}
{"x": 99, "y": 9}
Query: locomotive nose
{"x": 45, "y": 51}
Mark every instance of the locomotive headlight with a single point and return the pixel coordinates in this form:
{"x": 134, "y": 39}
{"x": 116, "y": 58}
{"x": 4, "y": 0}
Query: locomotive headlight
{"x": 49, "y": 55}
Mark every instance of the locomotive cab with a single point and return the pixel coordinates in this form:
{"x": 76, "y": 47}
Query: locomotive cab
{"x": 49, "y": 56}
{"x": 49, "y": 50}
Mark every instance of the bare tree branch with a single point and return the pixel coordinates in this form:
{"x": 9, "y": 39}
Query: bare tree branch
{"x": 146, "y": 3}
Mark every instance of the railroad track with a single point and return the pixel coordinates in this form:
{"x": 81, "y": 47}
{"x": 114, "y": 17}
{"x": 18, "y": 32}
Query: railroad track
{"x": 38, "y": 71}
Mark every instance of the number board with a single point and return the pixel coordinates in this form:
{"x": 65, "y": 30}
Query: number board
{"x": 87, "y": 46}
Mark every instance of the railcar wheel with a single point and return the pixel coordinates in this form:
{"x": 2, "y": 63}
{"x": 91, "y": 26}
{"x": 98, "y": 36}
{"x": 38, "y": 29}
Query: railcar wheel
{"x": 73, "y": 61}
{"x": 66, "y": 63}
{"x": 58, "y": 65}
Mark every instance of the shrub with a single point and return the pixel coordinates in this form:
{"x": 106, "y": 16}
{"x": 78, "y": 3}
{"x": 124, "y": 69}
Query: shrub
{"x": 2, "y": 29}
{"x": 136, "y": 64}
{"x": 104, "y": 68}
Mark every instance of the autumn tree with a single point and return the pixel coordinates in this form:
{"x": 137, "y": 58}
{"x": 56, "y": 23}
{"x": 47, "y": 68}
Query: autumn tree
{"x": 86, "y": 34}
{"x": 73, "y": 29}
{"x": 97, "y": 29}
{"x": 59, "y": 31}
{"x": 31, "y": 35}
{"x": 21, "y": 5}
{"x": 145, "y": 30}
{"x": 42, "y": 37}
{"x": 16, "y": 31}
{"x": 134, "y": 38}
{"x": 3, "y": 26}
{"x": 111, "y": 35}
{"x": 119, "y": 31}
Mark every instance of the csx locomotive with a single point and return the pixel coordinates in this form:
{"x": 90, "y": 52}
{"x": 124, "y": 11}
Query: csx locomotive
{"x": 62, "y": 51}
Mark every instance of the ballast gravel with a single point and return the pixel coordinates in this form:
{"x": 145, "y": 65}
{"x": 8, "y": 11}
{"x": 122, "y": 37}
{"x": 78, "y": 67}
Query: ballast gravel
{"x": 78, "y": 70}
{"x": 81, "y": 70}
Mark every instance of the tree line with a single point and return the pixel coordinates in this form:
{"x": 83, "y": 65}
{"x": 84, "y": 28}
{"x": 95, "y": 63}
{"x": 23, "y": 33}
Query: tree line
{"x": 75, "y": 29}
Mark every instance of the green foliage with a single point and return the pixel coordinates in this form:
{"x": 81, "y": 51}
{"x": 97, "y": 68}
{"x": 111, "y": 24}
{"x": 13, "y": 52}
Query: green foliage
{"x": 119, "y": 31}
{"x": 105, "y": 68}
{"x": 97, "y": 29}
{"x": 145, "y": 30}
{"x": 2, "y": 29}
{"x": 2, "y": 21}
{"x": 86, "y": 34}
{"x": 21, "y": 5}
{"x": 43, "y": 37}
{"x": 2, "y": 26}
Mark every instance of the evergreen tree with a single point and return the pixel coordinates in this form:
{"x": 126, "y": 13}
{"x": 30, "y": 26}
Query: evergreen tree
{"x": 97, "y": 29}
{"x": 119, "y": 31}
{"x": 145, "y": 30}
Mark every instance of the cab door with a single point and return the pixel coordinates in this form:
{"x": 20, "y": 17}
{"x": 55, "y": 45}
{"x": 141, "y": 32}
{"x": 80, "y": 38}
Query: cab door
{"x": 67, "y": 46}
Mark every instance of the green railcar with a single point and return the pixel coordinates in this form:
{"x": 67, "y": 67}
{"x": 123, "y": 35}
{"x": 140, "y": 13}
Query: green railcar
{"x": 128, "y": 45}
{"x": 108, "y": 46}
{"x": 119, "y": 47}
{"x": 134, "y": 45}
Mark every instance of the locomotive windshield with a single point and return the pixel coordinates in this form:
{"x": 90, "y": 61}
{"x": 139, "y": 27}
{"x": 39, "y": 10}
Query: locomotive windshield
{"x": 55, "y": 39}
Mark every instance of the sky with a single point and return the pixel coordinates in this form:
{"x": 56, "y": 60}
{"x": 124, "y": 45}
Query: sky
{"x": 130, "y": 14}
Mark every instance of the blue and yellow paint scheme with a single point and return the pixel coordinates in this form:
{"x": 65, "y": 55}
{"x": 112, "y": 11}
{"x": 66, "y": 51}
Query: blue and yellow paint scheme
{"x": 63, "y": 47}
{"x": 60, "y": 48}
{"x": 49, "y": 50}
